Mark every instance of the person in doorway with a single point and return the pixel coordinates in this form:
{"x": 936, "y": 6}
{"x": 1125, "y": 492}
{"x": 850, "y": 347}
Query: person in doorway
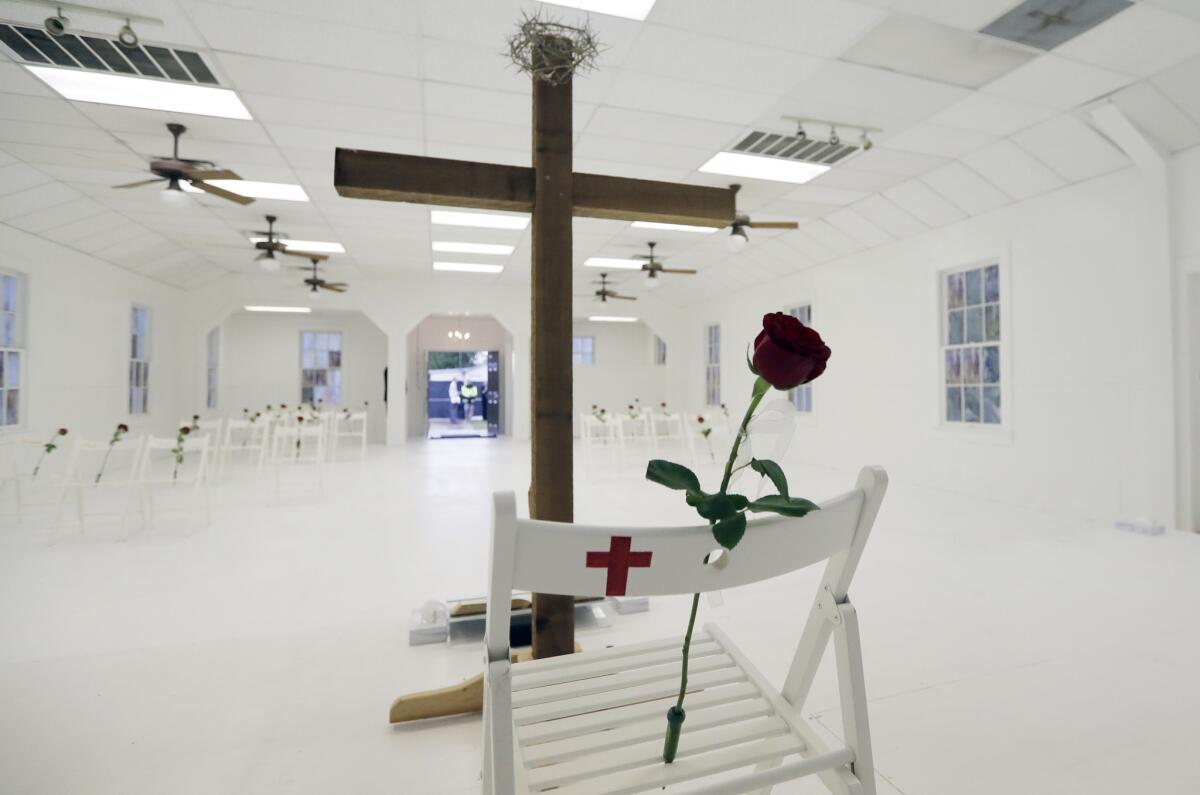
{"x": 470, "y": 394}
{"x": 455, "y": 393}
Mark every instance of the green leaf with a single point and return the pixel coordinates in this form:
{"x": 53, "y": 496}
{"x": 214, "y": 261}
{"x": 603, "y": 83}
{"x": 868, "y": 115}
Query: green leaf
{"x": 749, "y": 361}
{"x": 784, "y": 506}
{"x": 715, "y": 507}
{"x": 672, "y": 475}
{"x": 769, "y": 469}
{"x": 761, "y": 387}
{"x": 729, "y": 532}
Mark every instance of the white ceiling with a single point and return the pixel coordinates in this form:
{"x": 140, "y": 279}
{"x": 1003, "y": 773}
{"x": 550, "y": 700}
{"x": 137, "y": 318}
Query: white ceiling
{"x": 970, "y": 124}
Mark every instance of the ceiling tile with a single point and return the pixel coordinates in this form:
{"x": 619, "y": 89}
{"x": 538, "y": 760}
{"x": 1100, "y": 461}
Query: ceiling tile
{"x": 40, "y": 221}
{"x": 832, "y": 238}
{"x": 965, "y": 14}
{"x": 920, "y": 201}
{"x": 1013, "y": 170}
{"x": 1072, "y": 149}
{"x": 1179, "y": 85}
{"x": 824, "y": 195}
{"x": 864, "y": 181}
{"x": 992, "y": 115}
{"x": 660, "y": 128}
{"x": 1057, "y": 82}
{"x": 17, "y": 177}
{"x": 857, "y": 226}
{"x": 966, "y": 189}
{"x": 1140, "y": 40}
{"x": 939, "y": 140}
{"x": 1188, "y": 8}
{"x": 682, "y": 98}
{"x": 893, "y": 161}
{"x": 917, "y": 46}
{"x": 320, "y": 84}
{"x": 890, "y": 218}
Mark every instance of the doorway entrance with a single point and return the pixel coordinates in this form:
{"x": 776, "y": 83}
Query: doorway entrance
{"x": 463, "y": 394}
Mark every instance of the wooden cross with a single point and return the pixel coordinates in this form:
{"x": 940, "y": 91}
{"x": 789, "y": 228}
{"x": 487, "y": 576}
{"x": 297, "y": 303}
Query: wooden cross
{"x": 618, "y": 560}
{"x": 552, "y": 194}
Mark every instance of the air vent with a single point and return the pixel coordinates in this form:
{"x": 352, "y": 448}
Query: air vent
{"x": 792, "y": 147}
{"x": 35, "y": 46}
{"x": 1045, "y": 24}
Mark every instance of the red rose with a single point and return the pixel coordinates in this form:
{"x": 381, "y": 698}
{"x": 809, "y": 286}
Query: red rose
{"x": 699, "y": 419}
{"x": 184, "y": 431}
{"x": 62, "y": 431}
{"x": 123, "y": 428}
{"x": 788, "y": 353}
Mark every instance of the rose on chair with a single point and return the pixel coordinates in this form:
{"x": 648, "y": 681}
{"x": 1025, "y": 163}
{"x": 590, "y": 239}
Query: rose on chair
{"x": 786, "y": 354}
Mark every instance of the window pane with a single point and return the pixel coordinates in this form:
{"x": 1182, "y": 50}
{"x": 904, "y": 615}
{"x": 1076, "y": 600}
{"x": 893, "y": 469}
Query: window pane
{"x": 954, "y": 404}
{"x": 991, "y": 322}
{"x": 953, "y": 366}
{"x": 11, "y": 415}
{"x": 991, "y": 288}
{"x": 2, "y": 369}
{"x": 974, "y": 287}
{"x": 335, "y": 358}
{"x": 306, "y": 394}
{"x": 9, "y": 332}
{"x": 12, "y": 369}
{"x": 990, "y": 365}
{"x": 971, "y": 404}
{"x": 10, "y": 294}
{"x": 954, "y": 328}
{"x": 970, "y": 365}
{"x": 335, "y": 341}
{"x": 974, "y": 323}
{"x": 954, "y": 290}
{"x": 991, "y": 404}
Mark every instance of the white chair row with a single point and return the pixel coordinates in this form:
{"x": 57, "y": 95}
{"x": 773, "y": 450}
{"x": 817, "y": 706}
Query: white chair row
{"x": 250, "y": 440}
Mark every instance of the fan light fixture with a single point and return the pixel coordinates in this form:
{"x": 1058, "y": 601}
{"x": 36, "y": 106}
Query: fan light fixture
{"x": 481, "y": 220}
{"x": 468, "y": 267}
{"x": 736, "y": 164}
{"x": 173, "y": 194}
{"x": 297, "y": 309}
{"x": 612, "y": 319}
{"x": 609, "y": 262}
{"x": 458, "y": 335}
{"x": 140, "y": 92}
{"x": 652, "y": 280}
{"x": 737, "y": 239}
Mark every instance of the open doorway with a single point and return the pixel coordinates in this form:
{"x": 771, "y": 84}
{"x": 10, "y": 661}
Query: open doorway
{"x": 463, "y": 394}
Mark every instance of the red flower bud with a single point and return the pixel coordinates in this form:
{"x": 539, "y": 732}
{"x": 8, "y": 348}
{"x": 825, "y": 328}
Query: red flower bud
{"x": 123, "y": 428}
{"x": 62, "y": 431}
{"x": 699, "y": 419}
{"x": 788, "y": 353}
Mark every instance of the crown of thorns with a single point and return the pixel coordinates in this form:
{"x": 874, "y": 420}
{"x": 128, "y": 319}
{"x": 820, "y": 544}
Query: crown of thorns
{"x": 553, "y": 51}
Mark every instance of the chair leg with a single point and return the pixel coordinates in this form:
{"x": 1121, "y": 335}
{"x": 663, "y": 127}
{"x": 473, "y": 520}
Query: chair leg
{"x": 853, "y": 691}
{"x": 767, "y": 764}
{"x": 79, "y": 506}
{"x": 486, "y": 772}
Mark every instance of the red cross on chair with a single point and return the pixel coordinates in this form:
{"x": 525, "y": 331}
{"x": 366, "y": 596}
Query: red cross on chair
{"x": 618, "y": 560}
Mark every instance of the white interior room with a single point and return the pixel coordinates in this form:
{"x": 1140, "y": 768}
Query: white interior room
{"x": 231, "y": 556}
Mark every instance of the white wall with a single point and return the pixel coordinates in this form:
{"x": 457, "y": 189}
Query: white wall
{"x": 260, "y": 362}
{"x": 77, "y": 319}
{"x": 1091, "y": 399}
{"x": 624, "y": 368}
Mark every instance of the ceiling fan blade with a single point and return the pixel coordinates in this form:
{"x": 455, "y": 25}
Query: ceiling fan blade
{"x": 220, "y": 192}
{"x": 773, "y": 225}
{"x": 217, "y": 173}
{"x": 623, "y": 297}
{"x": 140, "y": 183}
{"x": 305, "y": 254}
{"x": 337, "y": 287}
{"x": 677, "y": 270}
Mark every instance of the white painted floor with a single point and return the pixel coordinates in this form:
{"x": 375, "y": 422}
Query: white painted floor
{"x": 1007, "y": 651}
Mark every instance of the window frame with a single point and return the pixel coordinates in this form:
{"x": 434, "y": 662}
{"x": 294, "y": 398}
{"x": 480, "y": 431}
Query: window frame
{"x": 147, "y": 357}
{"x": 340, "y": 368}
{"x": 660, "y": 351}
{"x": 212, "y": 367}
{"x": 993, "y": 433}
{"x": 577, "y": 352}
{"x": 803, "y": 389}
{"x": 712, "y": 364}
{"x": 18, "y": 348}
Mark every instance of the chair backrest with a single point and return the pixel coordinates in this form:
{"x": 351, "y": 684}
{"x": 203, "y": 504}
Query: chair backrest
{"x": 557, "y": 558}
{"x": 303, "y": 442}
{"x": 121, "y": 461}
{"x": 20, "y": 454}
{"x": 158, "y": 459}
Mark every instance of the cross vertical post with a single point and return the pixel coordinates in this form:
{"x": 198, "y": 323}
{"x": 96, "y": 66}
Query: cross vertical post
{"x": 551, "y": 490}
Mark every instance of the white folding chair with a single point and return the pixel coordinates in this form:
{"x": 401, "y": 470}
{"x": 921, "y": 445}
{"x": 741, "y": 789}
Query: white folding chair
{"x": 18, "y": 458}
{"x": 96, "y": 467}
{"x": 302, "y": 443}
{"x": 671, "y": 429}
{"x": 245, "y": 439}
{"x": 605, "y": 434}
{"x": 593, "y": 723}
{"x": 635, "y": 430}
{"x": 159, "y": 470}
{"x": 350, "y": 425}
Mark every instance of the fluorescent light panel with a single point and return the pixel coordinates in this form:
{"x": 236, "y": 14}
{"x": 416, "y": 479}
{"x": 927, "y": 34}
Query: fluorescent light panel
{"x": 140, "y": 92}
{"x": 298, "y": 309}
{"x": 282, "y": 191}
{"x": 736, "y": 164}
{"x": 617, "y": 264}
{"x": 673, "y": 227}
{"x": 629, "y": 9}
{"x": 468, "y": 267}
{"x": 482, "y": 220}
{"x": 315, "y": 246}
{"x": 472, "y": 248}
{"x": 612, "y": 319}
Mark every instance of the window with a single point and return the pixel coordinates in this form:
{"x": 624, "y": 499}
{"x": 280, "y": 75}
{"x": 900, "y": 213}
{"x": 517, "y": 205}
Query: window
{"x": 660, "y": 351}
{"x": 213, "y": 348}
{"x": 321, "y": 367}
{"x": 139, "y": 361}
{"x": 583, "y": 350}
{"x": 801, "y": 396}
{"x": 712, "y": 365}
{"x": 12, "y": 348}
{"x": 971, "y": 345}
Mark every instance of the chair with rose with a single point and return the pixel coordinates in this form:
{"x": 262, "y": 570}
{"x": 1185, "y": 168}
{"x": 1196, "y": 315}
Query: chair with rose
{"x": 593, "y": 722}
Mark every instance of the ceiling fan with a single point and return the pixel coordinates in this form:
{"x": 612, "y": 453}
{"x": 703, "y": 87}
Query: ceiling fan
{"x": 603, "y": 294}
{"x": 738, "y": 238}
{"x": 274, "y": 244}
{"x": 653, "y": 267}
{"x": 315, "y": 282}
{"x": 176, "y": 169}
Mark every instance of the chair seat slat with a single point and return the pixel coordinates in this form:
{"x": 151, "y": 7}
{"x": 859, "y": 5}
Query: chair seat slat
{"x": 587, "y": 670}
{"x": 591, "y": 722}
{"x": 565, "y": 660}
{"x": 617, "y": 682}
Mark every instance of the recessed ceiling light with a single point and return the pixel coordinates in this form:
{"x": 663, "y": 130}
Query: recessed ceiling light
{"x": 468, "y": 267}
{"x": 735, "y": 164}
{"x": 612, "y": 319}
{"x": 282, "y": 191}
{"x": 315, "y": 246}
{"x": 472, "y": 248}
{"x": 484, "y": 220}
{"x": 301, "y": 309}
{"x": 673, "y": 227}
{"x": 609, "y": 262}
{"x": 630, "y": 9}
{"x": 139, "y": 92}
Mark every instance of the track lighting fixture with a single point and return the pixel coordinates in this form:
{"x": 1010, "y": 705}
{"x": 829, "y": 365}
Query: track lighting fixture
{"x": 866, "y": 141}
{"x": 126, "y": 37}
{"x": 800, "y": 133}
{"x": 57, "y": 24}
{"x": 834, "y": 139}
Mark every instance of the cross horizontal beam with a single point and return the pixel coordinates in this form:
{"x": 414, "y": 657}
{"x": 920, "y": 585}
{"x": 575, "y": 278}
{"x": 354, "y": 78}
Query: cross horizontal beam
{"x": 361, "y": 174}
